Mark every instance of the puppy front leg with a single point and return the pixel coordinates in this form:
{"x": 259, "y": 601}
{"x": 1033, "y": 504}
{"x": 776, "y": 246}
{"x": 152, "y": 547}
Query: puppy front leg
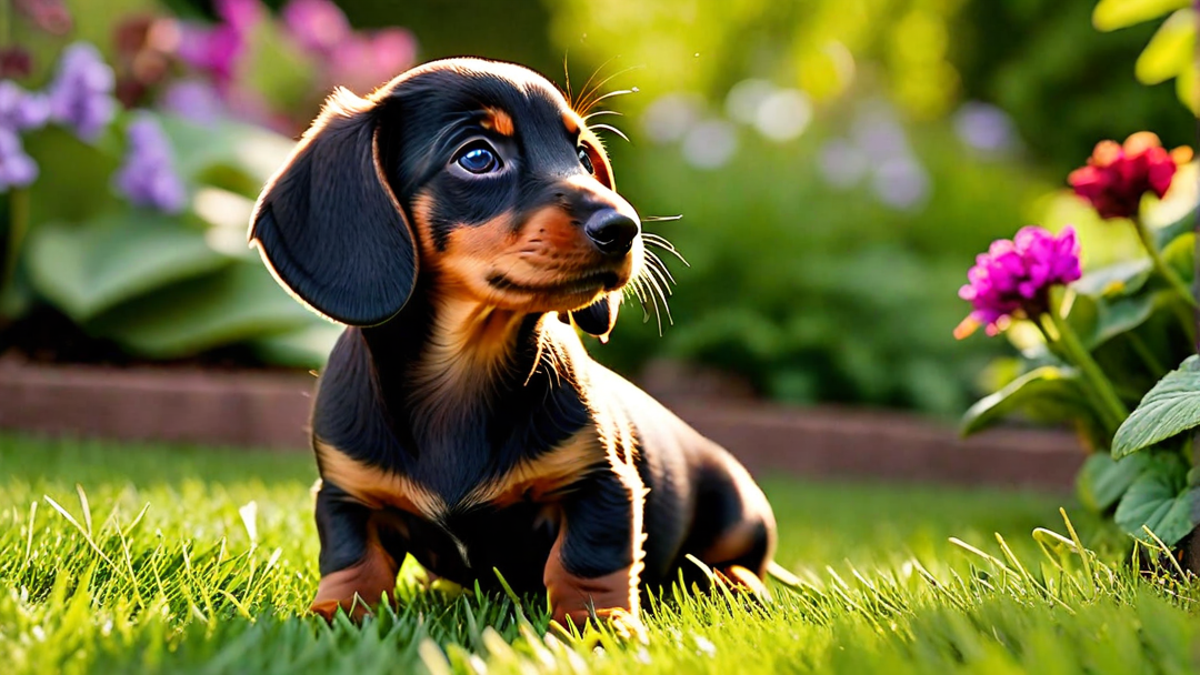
{"x": 596, "y": 560}
{"x": 356, "y": 570}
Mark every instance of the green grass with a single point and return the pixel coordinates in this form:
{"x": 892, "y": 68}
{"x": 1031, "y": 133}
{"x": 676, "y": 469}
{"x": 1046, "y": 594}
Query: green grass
{"x": 198, "y": 582}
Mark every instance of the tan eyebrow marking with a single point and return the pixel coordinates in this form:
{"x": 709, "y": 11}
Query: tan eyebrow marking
{"x": 571, "y": 122}
{"x": 499, "y": 121}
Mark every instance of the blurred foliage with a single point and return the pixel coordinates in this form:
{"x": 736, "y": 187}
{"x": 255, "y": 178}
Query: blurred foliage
{"x": 1064, "y": 84}
{"x": 812, "y": 291}
{"x": 816, "y": 293}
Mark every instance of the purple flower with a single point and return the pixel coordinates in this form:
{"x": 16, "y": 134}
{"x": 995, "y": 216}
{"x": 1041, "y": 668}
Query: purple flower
{"x": 193, "y": 100}
{"x": 81, "y": 93}
{"x": 22, "y": 110}
{"x": 147, "y": 178}
{"x": 318, "y": 25}
{"x": 1014, "y": 277}
{"x": 17, "y": 169}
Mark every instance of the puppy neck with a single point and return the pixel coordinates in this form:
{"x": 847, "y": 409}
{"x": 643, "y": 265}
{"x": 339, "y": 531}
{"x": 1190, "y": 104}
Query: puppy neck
{"x": 446, "y": 359}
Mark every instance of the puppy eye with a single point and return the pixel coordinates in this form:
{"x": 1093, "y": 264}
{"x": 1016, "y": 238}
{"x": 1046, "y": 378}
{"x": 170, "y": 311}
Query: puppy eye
{"x": 478, "y": 159}
{"x": 585, "y": 158}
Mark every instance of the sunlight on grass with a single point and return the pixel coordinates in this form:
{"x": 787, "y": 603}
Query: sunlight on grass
{"x": 118, "y": 558}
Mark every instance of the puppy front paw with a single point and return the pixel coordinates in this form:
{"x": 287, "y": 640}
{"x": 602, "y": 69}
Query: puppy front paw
{"x": 622, "y": 623}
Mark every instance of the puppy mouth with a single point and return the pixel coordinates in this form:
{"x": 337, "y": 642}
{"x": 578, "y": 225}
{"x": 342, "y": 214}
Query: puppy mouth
{"x": 588, "y": 283}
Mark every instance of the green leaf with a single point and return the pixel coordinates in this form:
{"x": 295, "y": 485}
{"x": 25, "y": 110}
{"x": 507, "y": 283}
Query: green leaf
{"x": 1171, "y": 407}
{"x": 1163, "y": 236}
{"x": 1170, "y": 50}
{"x": 1181, "y": 255}
{"x": 1121, "y": 278}
{"x": 1114, "y": 14}
{"x": 238, "y": 303}
{"x": 1044, "y": 388}
{"x": 75, "y": 178}
{"x": 204, "y": 150}
{"x": 307, "y": 347}
{"x": 1103, "y": 480}
{"x": 87, "y": 268}
{"x": 1126, "y": 314}
{"x": 1160, "y": 500}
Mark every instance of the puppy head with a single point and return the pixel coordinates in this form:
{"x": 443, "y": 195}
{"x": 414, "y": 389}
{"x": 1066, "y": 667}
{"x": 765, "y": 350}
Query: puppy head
{"x": 478, "y": 170}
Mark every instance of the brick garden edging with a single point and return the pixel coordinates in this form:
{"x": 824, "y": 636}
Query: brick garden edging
{"x": 270, "y": 409}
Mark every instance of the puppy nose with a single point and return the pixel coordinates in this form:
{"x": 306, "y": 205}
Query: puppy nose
{"x": 611, "y": 231}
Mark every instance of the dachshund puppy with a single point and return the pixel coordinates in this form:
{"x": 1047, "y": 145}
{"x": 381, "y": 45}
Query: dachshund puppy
{"x": 448, "y": 220}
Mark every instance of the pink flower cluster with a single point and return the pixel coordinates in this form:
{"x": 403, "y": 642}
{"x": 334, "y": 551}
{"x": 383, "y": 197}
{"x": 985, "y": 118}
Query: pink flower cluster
{"x": 1117, "y": 175}
{"x": 359, "y": 61}
{"x": 1014, "y": 277}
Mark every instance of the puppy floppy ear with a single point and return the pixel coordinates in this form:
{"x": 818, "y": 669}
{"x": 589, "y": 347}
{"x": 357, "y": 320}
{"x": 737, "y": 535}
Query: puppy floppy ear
{"x": 597, "y": 318}
{"x": 328, "y": 224}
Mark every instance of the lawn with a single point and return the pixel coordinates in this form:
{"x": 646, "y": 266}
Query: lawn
{"x": 126, "y": 558}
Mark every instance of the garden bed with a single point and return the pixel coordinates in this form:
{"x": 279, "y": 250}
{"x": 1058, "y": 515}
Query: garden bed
{"x": 270, "y": 409}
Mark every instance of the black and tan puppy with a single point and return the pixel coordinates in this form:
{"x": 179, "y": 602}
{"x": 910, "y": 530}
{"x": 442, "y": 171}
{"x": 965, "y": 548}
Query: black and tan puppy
{"x": 446, "y": 219}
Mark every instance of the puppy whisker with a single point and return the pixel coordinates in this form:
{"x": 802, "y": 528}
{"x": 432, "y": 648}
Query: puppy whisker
{"x": 609, "y": 127}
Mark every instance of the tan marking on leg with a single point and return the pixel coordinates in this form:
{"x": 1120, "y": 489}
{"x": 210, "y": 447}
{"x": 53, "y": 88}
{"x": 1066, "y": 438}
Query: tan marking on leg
{"x": 374, "y": 487}
{"x": 612, "y": 596}
{"x": 358, "y": 588}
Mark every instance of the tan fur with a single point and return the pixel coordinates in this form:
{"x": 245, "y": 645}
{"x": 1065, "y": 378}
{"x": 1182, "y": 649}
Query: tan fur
{"x": 359, "y": 587}
{"x": 468, "y": 344}
{"x": 572, "y": 122}
{"x": 548, "y": 473}
{"x": 499, "y": 121}
{"x": 374, "y": 487}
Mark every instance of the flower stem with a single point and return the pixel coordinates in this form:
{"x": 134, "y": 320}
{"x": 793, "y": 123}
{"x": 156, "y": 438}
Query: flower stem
{"x": 1161, "y": 265}
{"x": 1111, "y": 407}
{"x": 18, "y": 225}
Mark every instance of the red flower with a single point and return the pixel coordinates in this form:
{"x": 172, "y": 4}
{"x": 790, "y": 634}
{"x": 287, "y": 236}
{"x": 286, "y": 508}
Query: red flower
{"x": 1118, "y": 175}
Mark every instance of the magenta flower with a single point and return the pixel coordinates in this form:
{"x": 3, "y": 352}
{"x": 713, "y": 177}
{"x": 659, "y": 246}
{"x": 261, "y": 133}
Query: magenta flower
{"x": 148, "y": 177}
{"x": 216, "y": 50}
{"x": 17, "y": 169}
{"x": 317, "y": 25}
{"x": 81, "y": 95}
{"x": 366, "y": 60}
{"x": 1014, "y": 277}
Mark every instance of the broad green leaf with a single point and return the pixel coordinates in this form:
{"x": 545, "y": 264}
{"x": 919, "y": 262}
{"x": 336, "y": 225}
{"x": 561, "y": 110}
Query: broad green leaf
{"x": 1170, "y": 50}
{"x": 1103, "y": 480}
{"x": 75, "y": 178}
{"x": 238, "y": 303}
{"x": 204, "y": 150}
{"x": 1181, "y": 255}
{"x": 1171, "y": 407}
{"x": 1123, "y": 278}
{"x": 1084, "y": 317}
{"x": 1161, "y": 500}
{"x": 1126, "y": 314}
{"x": 87, "y": 268}
{"x": 1114, "y": 14}
{"x": 307, "y": 347}
{"x": 1041, "y": 387}
{"x": 1163, "y": 236}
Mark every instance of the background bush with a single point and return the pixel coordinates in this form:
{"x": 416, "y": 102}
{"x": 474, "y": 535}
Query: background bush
{"x": 813, "y": 285}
